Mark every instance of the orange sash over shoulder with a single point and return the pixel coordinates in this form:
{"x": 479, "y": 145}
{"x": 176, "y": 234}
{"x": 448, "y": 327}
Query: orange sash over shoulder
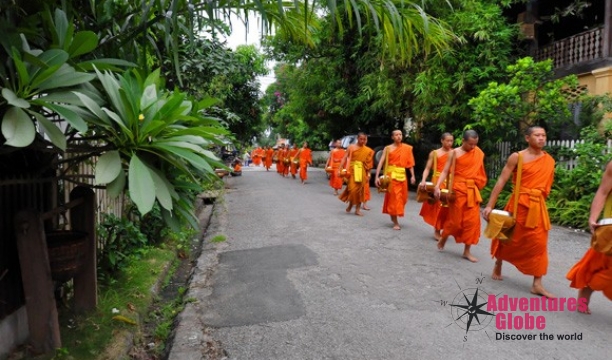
{"x": 528, "y": 249}
{"x": 463, "y": 221}
{"x": 396, "y": 196}
{"x": 361, "y": 162}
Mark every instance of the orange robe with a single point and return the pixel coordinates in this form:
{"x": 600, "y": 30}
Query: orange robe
{"x": 280, "y": 165}
{"x": 305, "y": 160}
{"x": 293, "y": 168}
{"x": 396, "y": 196}
{"x": 366, "y": 189}
{"x": 276, "y": 155}
{"x": 593, "y": 270}
{"x": 528, "y": 250}
{"x": 336, "y": 156}
{"x": 463, "y": 221}
{"x": 286, "y": 162}
{"x": 435, "y": 214}
{"x": 268, "y": 161}
{"x": 361, "y": 159}
{"x": 256, "y": 156}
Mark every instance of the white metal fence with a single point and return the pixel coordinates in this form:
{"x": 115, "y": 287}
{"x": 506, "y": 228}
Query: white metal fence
{"x": 496, "y": 163}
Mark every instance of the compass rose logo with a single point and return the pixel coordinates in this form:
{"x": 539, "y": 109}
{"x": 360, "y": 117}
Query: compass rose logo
{"x": 468, "y": 310}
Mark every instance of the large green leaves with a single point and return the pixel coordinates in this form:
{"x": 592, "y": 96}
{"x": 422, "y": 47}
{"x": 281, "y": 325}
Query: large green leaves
{"x": 157, "y": 133}
{"x": 108, "y": 167}
{"x": 17, "y": 128}
{"x": 141, "y": 185}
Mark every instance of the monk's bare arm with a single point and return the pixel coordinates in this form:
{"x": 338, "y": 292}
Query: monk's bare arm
{"x": 329, "y": 158}
{"x": 382, "y": 160}
{"x": 600, "y": 196}
{"x": 444, "y": 173}
{"x": 346, "y": 159}
{"x": 427, "y": 168}
{"x": 501, "y": 182}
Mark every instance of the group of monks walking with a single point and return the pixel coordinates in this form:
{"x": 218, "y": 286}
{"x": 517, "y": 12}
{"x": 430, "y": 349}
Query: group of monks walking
{"x": 457, "y": 177}
{"x": 288, "y": 160}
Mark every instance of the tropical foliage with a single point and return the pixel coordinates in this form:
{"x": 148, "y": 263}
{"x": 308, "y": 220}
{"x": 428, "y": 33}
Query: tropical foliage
{"x": 531, "y": 96}
{"x": 345, "y": 84}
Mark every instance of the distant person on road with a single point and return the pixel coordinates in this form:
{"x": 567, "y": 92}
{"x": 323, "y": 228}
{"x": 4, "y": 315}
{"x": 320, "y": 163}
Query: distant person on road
{"x": 294, "y": 161}
{"x": 280, "y": 164}
{"x": 358, "y": 161}
{"x": 269, "y": 154}
{"x": 333, "y": 162}
{"x": 237, "y": 170}
{"x": 286, "y": 159}
{"x": 434, "y": 213}
{"x": 594, "y": 271}
{"x": 256, "y": 155}
{"x": 528, "y": 250}
{"x": 246, "y": 158}
{"x": 305, "y": 157}
{"x": 397, "y": 157}
{"x": 469, "y": 175}
{"x": 367, "y": 194}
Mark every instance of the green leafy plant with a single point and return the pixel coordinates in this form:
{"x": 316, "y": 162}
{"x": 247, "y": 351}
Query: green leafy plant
{"x": 573, "y": 190}
{"x": 155, "y": 136}
{"x": 39, "y": 82}
{"x": 120, "y": 239}
{"x": 531, "y": 96}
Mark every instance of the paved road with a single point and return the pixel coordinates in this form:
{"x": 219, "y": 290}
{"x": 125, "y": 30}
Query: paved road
{"x": 298, "y": 278}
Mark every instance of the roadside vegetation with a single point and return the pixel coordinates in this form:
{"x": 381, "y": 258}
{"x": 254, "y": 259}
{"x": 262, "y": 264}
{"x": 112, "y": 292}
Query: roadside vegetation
{"x": 150, "y": 91}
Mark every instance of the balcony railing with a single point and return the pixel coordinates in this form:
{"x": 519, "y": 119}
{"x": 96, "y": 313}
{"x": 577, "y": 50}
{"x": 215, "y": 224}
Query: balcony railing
{"x": 576, "y": 49}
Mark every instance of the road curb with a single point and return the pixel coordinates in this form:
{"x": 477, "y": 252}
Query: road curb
{"x": 191, "y": 338}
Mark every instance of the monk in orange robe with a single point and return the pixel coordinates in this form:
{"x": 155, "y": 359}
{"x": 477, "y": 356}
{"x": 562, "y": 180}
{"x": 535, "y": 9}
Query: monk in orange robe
{"x": 268, "y": 157}
{"x": 434, "y": 213}
{"x": 305, "y": 157}
{"x": 237, "y": 171}
{"x": 594, "y": 271}
{"x": 528, "y": 250}
{"x": 368, "y": 194}
{"x": 294, "y": 161}
{"x": 335, "y": 158}
{"x": 280, "y": 164}
{"x": 286, "y": 160}
{"x": 358, "y": 161}
{"x": 397, "y": 158}
{"x": 468, "y": 177}
{"x": 256, "y": 156}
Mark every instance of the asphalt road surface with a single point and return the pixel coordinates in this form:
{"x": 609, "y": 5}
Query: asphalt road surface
{"x": 299, "y": 278}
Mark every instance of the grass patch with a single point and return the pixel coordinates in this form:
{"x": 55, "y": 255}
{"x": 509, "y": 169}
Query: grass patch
{"x": 218, "y": 238}
{"x": 83, "y": 337}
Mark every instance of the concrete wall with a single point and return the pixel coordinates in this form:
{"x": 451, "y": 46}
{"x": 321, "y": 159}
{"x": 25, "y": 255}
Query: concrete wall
{"x": 598, "y": 82}
{"x": 320, "y": 157}
{"x": 13, "y": 331}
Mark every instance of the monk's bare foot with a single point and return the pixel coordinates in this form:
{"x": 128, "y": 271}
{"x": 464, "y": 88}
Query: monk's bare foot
{"x": 584, "y": 293}
{"x": 349, "y": 208}
{"x": 437, "y": 235}
{"x": 441, "y": 243}
{"x": 470, "y": 257}
{"x": 336, "y": 193}
{"x": 366, "y": 208}
{"x": 539, "y": 290}
{"x": 358, "y": 213}
{"x": 497, "y": 271}
{"x": 396, "y": 227}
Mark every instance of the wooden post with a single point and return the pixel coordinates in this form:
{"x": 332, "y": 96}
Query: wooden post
{"x": 82, "y": 218}
{"x": 37, "y": 284}
{"x": 607, "y": 34}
